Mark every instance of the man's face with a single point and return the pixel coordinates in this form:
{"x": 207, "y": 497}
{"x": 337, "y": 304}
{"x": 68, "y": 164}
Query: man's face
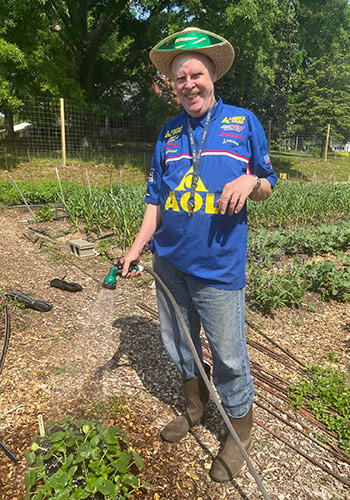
{"x": 194, "y": 77}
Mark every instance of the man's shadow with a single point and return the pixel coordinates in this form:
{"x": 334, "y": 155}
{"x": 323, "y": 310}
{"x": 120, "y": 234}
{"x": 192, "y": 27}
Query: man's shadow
{"x": 141, "y": 344}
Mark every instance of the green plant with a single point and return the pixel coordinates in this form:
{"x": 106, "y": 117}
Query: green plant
{"x": 116, "y": 406}
{"x": 326, "y": 393}
{"x": 275, "y": 287}
{"x": 45, "y": 214}
{"x": 82, "y": 459}
{"x": 331, "y": 281}
{"x": 315, "y": 151}
{"x": 331, "y": 356}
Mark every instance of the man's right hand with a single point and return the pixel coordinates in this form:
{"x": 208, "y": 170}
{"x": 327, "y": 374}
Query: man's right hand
{"x": 130, "y": 259}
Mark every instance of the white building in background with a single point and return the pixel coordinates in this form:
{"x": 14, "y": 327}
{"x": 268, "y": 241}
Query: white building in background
{"x": 21, "y": 130}
{"x": 339, "y": 147}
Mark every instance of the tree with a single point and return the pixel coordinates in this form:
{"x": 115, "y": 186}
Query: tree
{"x": 321, "y": 24}
{"x": 83, "y": 49}
{"x": 323, "y": 97}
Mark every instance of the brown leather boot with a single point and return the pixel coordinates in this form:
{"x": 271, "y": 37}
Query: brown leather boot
{"x": 229, "y": 461}
{"x": 197, "y": 396}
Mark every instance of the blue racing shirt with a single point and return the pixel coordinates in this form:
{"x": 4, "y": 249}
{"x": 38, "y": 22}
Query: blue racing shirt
{"x": 209, "y": 247}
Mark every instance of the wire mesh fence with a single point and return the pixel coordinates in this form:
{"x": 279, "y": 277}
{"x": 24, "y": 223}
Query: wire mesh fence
{"x": 53, "y": 129}
{"x": 56, "y": 129}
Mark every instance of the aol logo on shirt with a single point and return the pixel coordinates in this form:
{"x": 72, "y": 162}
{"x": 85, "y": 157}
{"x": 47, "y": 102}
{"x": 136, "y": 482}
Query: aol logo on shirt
{"x": 201, "y": 196}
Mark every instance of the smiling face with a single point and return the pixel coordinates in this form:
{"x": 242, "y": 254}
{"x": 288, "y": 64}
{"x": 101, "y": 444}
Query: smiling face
{"x": 194, "y": 77}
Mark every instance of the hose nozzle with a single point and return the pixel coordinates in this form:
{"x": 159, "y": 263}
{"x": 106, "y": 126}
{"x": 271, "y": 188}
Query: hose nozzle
{"x": 110, "y": 281}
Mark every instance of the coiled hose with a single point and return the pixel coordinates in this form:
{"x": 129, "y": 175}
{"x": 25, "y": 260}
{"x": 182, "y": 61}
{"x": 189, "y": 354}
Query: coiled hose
{"x": 208, "y": 384}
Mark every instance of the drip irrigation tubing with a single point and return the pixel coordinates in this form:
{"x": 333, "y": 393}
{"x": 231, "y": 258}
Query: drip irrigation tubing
{"x": 302, "y": 411}
{"x": 328, "y": 446}
{"x": 285, "y": 351}
{"x": 208, "y": 384}
{"x": 272, "y": 375}
{"x": 269, "y": 352}
{"x": 305, "y": 455}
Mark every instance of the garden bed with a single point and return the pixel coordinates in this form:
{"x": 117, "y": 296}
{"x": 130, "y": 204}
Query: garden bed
{"x": 118, "y": 372}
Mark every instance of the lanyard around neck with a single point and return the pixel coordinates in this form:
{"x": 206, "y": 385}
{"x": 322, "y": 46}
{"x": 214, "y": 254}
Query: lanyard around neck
{"x": 196, "y": 156}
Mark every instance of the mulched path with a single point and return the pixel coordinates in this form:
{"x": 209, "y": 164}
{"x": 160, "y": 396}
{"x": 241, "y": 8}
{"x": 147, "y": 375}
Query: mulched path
{"x": 68, "y": 360}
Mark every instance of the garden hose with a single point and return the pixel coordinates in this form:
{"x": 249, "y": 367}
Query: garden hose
{"x": 110, "y": 282}
{"x": 2, "y": 359}
{"x": 37, "y": 305}
{"x": 6, "y": 331}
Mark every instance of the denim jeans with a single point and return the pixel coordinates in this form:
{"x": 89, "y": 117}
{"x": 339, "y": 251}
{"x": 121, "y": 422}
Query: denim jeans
{"x": 221, "y": 313}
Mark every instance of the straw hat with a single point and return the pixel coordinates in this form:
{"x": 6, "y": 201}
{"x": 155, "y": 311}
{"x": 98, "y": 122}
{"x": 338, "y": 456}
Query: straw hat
{"x": 219, "y": 50}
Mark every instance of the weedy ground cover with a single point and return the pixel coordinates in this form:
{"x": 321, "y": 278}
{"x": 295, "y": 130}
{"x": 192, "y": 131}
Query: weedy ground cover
{"x": 326, "y": 392}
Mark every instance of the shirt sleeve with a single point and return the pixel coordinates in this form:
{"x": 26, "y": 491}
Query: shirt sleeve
{"x": 156, "y": 172}
{"x": 259, "y": 161}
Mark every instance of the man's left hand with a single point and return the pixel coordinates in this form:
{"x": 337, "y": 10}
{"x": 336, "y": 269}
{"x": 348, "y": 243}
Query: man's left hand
{"x": 235, "y": 193}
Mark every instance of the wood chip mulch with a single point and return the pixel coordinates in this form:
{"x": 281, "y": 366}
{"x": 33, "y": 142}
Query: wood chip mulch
{"x": 114, "y": 367}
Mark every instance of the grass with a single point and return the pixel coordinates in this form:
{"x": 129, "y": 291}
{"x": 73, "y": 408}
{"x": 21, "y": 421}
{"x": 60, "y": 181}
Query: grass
{"x": 131, "y": 170}
{"x": 297, "y": 166}
{"x": 99, "y": 174}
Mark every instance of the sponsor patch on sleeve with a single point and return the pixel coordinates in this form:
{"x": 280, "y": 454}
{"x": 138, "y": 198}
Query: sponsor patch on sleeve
{"x": 267, "y": 159}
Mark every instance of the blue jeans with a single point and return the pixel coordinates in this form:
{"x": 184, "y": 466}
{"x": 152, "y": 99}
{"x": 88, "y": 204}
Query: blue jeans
{"x": 221, "y": 312}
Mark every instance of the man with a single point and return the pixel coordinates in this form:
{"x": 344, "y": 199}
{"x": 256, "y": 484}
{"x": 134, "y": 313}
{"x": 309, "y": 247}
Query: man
{"x": 206, "y": 163}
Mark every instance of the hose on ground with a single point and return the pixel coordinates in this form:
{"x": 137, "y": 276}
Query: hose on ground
{"x": 6, "y": 331}
{"x": 208, "y": 384}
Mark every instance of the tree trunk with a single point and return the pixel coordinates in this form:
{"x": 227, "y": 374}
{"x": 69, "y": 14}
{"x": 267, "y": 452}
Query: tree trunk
{"x": 9, "y": 131}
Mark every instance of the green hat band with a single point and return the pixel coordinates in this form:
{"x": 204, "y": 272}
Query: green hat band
{"x": 190, "y": 41}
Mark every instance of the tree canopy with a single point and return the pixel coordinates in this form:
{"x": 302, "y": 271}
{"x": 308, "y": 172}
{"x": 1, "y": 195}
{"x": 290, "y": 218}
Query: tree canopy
{"x": 96, "y": 51}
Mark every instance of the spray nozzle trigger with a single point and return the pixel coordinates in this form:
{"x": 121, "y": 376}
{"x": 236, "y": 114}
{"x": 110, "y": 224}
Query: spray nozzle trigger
{"x": 134, "y": 266}
{"x": 110, "y": 280}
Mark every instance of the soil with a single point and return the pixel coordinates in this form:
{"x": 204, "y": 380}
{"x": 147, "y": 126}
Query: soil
{"x": 68, "y": 361}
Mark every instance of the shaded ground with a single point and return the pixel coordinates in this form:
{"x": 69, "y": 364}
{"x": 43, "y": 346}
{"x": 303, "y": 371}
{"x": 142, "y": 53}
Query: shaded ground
{"x": 66, "y": 361}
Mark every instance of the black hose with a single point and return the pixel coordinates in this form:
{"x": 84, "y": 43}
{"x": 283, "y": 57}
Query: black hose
{"x": 8, "y": 452}
{"x": 208, "y": 384}
{"x": 6, "y": 331}
{"x": 2, "y": 359}
{"x": 37, "y": 305}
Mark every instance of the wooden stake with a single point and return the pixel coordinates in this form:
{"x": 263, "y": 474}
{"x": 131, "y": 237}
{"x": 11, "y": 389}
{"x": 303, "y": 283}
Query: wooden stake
{"x": 63, "y": 134}
{"x": 296, "y": 144}
{"x": 88, "y": 180}
{"x": 41, "y": 425}
{"x": 8, "y": 187}
{"x": 23, "y": 198}
{"x": 60, "y": 185}
{"x": 110, "y": 173}
{"x": 327, "y": 141}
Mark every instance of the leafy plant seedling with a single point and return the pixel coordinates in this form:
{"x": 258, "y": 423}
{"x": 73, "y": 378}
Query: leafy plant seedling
{"x": 82, "y": 459}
